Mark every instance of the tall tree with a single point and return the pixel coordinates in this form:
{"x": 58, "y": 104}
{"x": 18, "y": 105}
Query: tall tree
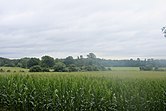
{"x": 91, "y": 55}
{"x": 32, "y": 62}
{"x": 47, "y": 61}
{"x": 23, "y": 62}
{"x": 164, "y": 31}
{"x": 81, "y": 56}
{"x": 69, "y": 60}
{"x": 59, "y": 67}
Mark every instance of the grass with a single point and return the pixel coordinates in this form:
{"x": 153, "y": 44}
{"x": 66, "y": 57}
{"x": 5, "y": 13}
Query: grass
{"x": 78, "y": 91}
{"x": 125, "y": 68}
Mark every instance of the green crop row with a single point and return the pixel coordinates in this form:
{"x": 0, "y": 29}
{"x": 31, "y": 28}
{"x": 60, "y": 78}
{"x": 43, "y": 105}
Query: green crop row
{"x": 80, "y": 92}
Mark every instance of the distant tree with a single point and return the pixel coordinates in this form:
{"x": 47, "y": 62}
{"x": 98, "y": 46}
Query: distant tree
{"x": 6, "y": 62}
{"x": 81, "y": 56}
{"x": 164, "y": 31}
{"x": 79, "y": 62}
{"x": 69, "y": 60}
{"x": 9, "y": 65}
{"x": 45, "y": 69}
{"x": 47, "y": 61}
{"x": 8, "y": 71}
{"x": 59, "y": 67}
{"x": 58, "y": 60}
{"x": 109, "y": 69}
{"x": 36, "y": 68}
{"x": 73, "y": 68}
{"x": 138, "y": 59}
{"x": 1, "y": 70}
{"x": 32, "y": 62}
{"x": 91, "y": 68}
{"x": 156, "y": 68}
{"x": 150, "y": 62}
{"x": 146, "y": 68}
{"x": 23, "y": 62}
{"x": 78, "y": 57}
{"x": 102, "y": 68}
{"x": 91, "y": 55}
{"x": 92, "y": 60}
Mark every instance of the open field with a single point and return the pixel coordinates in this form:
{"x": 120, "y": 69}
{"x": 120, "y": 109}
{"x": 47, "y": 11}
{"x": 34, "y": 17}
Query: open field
{"x": 125, "y": 68}
{"x": 14, "y": 69}
{"x": 78, "y": 91}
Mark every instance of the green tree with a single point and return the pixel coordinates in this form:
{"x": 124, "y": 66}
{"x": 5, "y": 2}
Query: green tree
{"x": 45, "y": 69}
{"x": 47, "y": 61}
{"x": 91, "y": 55}
{"x": 69, "y": 60}
{"x": 1, "y": 70}
{"x": 81, "y": 56}
{"x": 23, "y": 62}
{"x": 6, "y": 62}
{"x": 73, "y": 68}
{"x": 146, "y": 68}
{"x": 32, "y": 62}
{"x": 36, "y": 68}
{"x": 164, "y": 31}
{"x": 59, "y": 67}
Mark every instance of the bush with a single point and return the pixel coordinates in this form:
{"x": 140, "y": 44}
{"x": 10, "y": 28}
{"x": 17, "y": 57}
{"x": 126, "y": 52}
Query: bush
{"x": 156, "y": 68}
{"x": 146, "y": 68}
{"x": 102, "y": 68}
{"x": 45, "y": 70}
{"x": 8, "y": 71}
{"x": 1, "y": 70}
{"x": 109, "y": 69}
{"x": 36, "y": 68}
{"x": 33, "y": 62}
{"x": 91, "y": 68}
{"x": 22, "y": 71}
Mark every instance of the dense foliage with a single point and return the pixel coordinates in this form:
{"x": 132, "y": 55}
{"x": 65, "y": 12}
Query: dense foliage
{"x": 91, "y": 63}
{"x": 36, "y": 68}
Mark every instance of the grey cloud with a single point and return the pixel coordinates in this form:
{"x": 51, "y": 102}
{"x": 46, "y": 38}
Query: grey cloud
{"x": 109, "y": 28}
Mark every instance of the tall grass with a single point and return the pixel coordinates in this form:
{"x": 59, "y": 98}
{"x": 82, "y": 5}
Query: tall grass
{"x": 95, "y": 91}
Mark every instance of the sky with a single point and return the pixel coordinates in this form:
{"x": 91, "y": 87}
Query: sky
{"x": 112, "y": 29}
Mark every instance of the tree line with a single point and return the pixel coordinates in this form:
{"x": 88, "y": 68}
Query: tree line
{"x": 69, "y": 64}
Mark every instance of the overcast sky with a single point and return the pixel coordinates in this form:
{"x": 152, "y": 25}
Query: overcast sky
{"x": 112, "y": 29}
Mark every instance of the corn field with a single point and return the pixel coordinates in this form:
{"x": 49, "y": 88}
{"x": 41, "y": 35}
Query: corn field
{"x": 86, "y": 91}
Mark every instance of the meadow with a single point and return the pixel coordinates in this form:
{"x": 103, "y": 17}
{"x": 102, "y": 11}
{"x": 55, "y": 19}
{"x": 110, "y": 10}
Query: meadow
{"x": 116, "y": 90}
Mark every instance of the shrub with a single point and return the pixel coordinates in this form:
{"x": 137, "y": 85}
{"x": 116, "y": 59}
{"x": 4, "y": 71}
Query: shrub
{"x": 109, "y": 69}
{"x": 36, "y": 68}
{"x": 91, "y": 68}
{"x": 8, "y": 71}
{"x": 156, "y": 68}
{"x": 146, "y": 68}
{"x": 22, "y": 71}
{"x": 1, "y": 70}
{"x": 33, "y": 62}
{"x": 45, "y": 70}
